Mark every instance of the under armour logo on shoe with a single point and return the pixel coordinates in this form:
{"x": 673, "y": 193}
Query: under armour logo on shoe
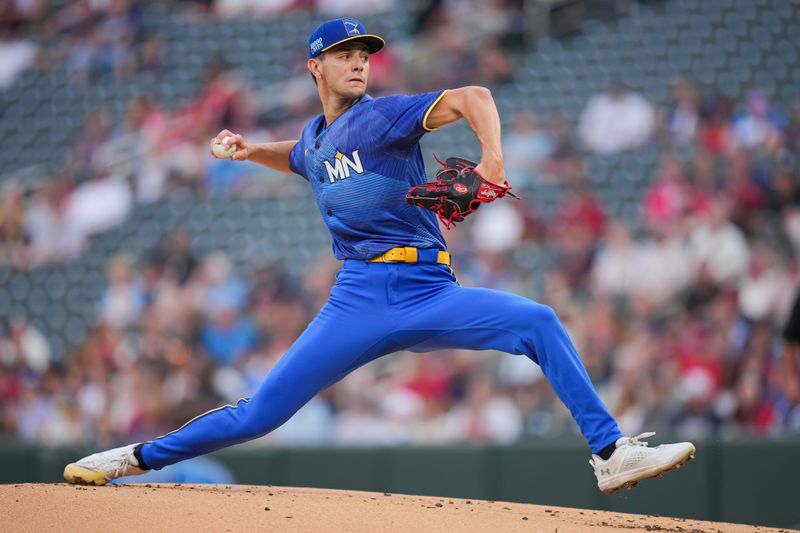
{"x": 605, "y": 472}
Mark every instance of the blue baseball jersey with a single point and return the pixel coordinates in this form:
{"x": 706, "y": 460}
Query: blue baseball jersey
{"x": 360, "y": 169}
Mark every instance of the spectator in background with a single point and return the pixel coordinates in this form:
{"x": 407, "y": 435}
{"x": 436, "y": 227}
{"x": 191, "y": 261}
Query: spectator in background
{"x": 227, "y": 9}
{"x": 222, "y": 100}
{"x": 789, "y": 369}
{"x": 718, "y": 246}
{"x": 146, "y": 125}
{"x": 665, "y": 267}
{"x": 616, "y": 120}
{"x": 763, "y": 288}
{"x": 629, "y": 392}
{"x": 388, "y": 73}
{"x": 176, "y": 254}
{"x": 25, "y": 346}
{"x": 683, "y": 117}
{"x": 598, "y": 329}
{"x": 699, "y": 351}
{"x": 565, "y": 156}
{"x": 14, "y": 15}
{"x": 705, "y": 177}
{"x": 79, "y": 57}
{"x": 498, "y": 231}
{"x": 494, "y": 65}
{"x": 43, "y": 223}
{"x": 755, "y": 411}
{"x": 427, "y": 382}
{"x": 95, "y": 132}
{"x": 150, "y": 63}
{"x": 716, "y": 132}
{"x": 578, "y": 222}
{"x": 94, "y": 206}
{"x": 215, "y": 285}
{"x": 339, "y": 8}
{"x": 495, "y": 233}
{"x": 35, "y": 408}
{"x": 793, "y": 129}
{"x": 118, "y": 29}
{"x": 124, "y": 297}
{"x": 101, "y": 38}
{"x": 455, "y": 62}
{"x": 16, "y": 55}
{"x": 13, "y": 232}
{"x": 666, "y": 201}
{"x": 757, "y": 125}
{"x": 525, "y": 148}
{"x": 361, "y": 424}
{"x": 784, "y": 196}
{"x": 486, "y": 416}
{"x": 225, "y": 178}
{"x": 184, "y": 163}
{"x": 227, "y": 335}
{"x": 145, "y": 119}
{"x": 580, "y": 210}
{"x": 615, "y": 269}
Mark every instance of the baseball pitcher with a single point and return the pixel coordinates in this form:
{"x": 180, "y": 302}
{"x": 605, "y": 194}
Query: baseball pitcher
{"x": 395, "y": 290}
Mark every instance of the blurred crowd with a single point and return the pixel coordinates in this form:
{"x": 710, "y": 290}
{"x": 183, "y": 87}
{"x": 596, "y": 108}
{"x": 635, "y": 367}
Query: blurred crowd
{"x": 153, "y": 153}
{"x": 95, "y": 41}
{"x": 683, "y": 315}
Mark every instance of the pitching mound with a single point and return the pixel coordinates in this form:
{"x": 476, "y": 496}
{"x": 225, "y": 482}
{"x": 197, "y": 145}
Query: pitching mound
{"x": 196, "y": 508}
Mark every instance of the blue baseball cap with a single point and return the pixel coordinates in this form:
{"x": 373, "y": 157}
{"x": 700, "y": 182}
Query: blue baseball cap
{"x": 336, "y": 31}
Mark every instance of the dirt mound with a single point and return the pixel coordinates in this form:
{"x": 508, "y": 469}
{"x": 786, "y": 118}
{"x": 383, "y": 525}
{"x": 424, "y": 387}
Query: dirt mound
{"x": 196, "y": 508}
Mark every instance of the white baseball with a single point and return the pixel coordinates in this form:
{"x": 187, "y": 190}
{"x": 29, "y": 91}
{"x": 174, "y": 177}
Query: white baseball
{"x": 220, "y": 150}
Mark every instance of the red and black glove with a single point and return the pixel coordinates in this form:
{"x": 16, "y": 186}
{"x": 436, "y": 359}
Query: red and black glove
{"x": 457, "y": 191}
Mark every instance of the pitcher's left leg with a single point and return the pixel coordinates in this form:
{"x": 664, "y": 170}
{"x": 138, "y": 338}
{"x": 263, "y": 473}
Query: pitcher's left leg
{"x": 483, "y": 319}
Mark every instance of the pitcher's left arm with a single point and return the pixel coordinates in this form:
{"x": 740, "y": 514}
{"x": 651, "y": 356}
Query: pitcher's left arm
{"x": 476, "y": 106}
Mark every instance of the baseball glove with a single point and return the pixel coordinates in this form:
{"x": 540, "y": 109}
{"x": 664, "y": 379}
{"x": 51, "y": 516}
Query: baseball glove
{"x": 457, "y": 191}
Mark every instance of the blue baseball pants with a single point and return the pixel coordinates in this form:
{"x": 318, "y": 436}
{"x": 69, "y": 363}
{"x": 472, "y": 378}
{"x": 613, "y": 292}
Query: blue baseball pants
{"x": 376, "y": 309}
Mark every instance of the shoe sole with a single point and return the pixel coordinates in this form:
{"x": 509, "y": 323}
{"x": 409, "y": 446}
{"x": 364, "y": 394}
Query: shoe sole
{"x": 658, "y": 473}
{"x": 81, "y": 476}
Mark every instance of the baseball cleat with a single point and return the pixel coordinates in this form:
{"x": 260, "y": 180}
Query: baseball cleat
{"x": 634, "y": 461}
{"x": 102, "y": 467}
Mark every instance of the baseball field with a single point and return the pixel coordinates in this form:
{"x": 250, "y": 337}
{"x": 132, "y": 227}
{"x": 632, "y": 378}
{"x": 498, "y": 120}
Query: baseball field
{"x": 196, "y": 508}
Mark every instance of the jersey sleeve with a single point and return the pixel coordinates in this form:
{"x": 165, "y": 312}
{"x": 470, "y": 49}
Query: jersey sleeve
{"x": 297, "y": 159}
{"x": 402, "y": 120}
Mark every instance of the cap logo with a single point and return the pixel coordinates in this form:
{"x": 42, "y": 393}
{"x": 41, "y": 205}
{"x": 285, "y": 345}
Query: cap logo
{"x": 315, "y": 45}
{"x": 351, "y": 27}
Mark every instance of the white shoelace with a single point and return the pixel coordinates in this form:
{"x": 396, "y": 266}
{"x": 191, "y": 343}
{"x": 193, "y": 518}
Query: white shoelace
{"x": 632, "y": 441}
{"x": 122, "y": 468}
{"x": 635, "y": 441}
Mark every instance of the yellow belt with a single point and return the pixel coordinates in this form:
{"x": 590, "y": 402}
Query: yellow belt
{"x": 406, "y": 254}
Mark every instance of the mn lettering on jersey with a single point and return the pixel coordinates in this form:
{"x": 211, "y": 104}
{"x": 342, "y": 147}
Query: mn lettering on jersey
{"x": 343, "y": 165}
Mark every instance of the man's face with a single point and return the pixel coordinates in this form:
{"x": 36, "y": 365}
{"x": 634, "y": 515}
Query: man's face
{"x": 345, "y": 69}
